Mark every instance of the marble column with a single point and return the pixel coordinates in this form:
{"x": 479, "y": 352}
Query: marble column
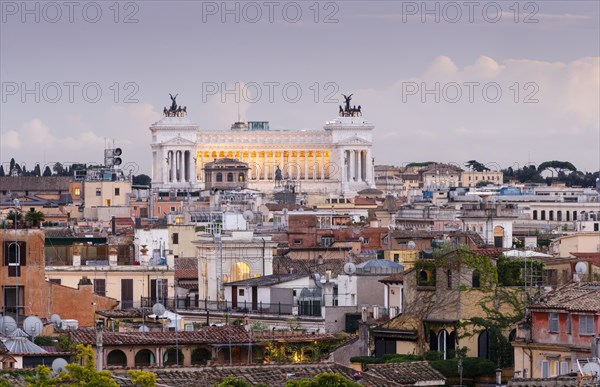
{"x": 322, "y": 164}
{"x": 360, "y": 165}
{"x": 172, "y": 160}
{"x": 352, "y": 165}
{"x": 342, "y": 165}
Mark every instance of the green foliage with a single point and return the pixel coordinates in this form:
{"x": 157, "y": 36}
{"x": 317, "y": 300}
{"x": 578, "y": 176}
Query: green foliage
{"x": 234, "y": 382}
{"x": 13, "y": 214}
{"x": 47, "y": 172}
{"x": 4, "y": 382}
{"x": 142, "y": 378}
{"x": 555, "y": 164}
{"x": 388, "y": 358}
{"x": 510, "y": 270}
{"x": 476, "y": 165}
{"x": 472, "y": 367}
{"x": 41, "y": 378}
{"x": 422, "y": 164}
{"x": 44, "y": 340}
{"x": 34, "y": 217}
{"x": 426, "y": 272}
{"x": 323, "y": 380}
{"x": 66, "y": 344}
{"x": 433, "y": 355}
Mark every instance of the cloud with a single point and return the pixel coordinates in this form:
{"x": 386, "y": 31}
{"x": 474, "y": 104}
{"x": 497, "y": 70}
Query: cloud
{"x": 549, "y": 109}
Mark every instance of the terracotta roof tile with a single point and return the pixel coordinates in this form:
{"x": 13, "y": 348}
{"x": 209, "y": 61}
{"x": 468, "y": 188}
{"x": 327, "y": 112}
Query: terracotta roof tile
{"x": 186, "y": 268}
{"x": 579, "y": 296}
{"x": 409, "y": 373}
{"x": 207, "y": 335}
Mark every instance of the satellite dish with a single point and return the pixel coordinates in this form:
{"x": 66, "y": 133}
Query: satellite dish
{"x": 581, "y": 268}
{"x": 33, "y": 325}
{"x": 56, "y": 320}
{"x": 248, "y": 216}
{"x": 58, "y": 365}
{"x": 411, "y": 245}
{"x": 143, "y": 328}
{"x": 158, "y": 309}
{"x": 591, "y": 369}
{"x": 7, "y": 325}
{"x": 361, "y": 239}
{"x": 349, "y": 268}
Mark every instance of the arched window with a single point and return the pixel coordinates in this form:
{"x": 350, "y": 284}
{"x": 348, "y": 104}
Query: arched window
{"x": 201, "y": 355}
{"x": 535, "y": 215}
{"x": 116, "y": 357}
{"x": 476, "y": 279}
{"x": 219, "y": 177}
{"x": 240, "y": 271}
{"x": 173, "y": 356}
{"x": 241, "y": 177}
{"x": 483, "y": 345}
{"x": 145, "y": 357}
{"x": 443, "y": 343}
{"x": 229, "y": 177}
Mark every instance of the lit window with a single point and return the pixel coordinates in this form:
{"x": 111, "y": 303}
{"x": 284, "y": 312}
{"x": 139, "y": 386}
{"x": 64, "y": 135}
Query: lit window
{"x": 77, "y": 191}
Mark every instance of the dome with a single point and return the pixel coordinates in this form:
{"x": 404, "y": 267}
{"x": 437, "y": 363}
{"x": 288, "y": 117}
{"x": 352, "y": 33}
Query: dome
{"x": 379, "y": 266}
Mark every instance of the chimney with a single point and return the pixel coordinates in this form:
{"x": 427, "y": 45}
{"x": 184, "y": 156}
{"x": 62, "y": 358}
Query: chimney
{"x": 112, "y": 256}
{"x": 85, "y": 283}
{"x": 76, "y": 254}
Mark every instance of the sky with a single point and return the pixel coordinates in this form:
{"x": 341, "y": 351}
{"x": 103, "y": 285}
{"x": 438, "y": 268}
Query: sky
{"x": 507, "y": 83}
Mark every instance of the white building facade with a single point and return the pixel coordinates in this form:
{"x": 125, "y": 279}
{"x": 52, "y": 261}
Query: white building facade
{"x": 336, "y": 160}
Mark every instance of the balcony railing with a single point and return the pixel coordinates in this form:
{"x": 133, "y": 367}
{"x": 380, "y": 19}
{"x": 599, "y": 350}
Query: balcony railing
{"x": 301, "y": 308}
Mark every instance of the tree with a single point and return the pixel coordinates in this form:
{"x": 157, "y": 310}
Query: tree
{"x": 2, "y": 171}
{"x": 476, "y": 166}
{"x": 58, "y": 168}
{"x": 83, "y": 374}
{"x": 324, "y": 379}
{"x": 12, "y": 165}
{"x": 13, "y": 214}
{"x": 36, "y": 170}
{"x": 233, "y": 382}
{"x": 47, "y": 171}
{"x": 34, "y": 217}
{"x": 142, "y": 378}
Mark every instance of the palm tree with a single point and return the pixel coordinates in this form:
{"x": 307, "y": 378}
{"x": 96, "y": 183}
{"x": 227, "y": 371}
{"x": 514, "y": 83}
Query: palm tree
{"x": 34, "y": 217}
{"x": 14, "y": 214}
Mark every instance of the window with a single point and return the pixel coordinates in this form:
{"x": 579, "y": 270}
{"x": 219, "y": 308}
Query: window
{"x": 564, "y": 367}
{"x": 297, "y": 241}
{"x": 100, "y": 287}
{"x": 77, "y": 191}
{"x": 117, "y": 191}
{"x": 586, "y": 325}
{"x": 230, "y": 177}
{"x": 219, "y": 177}
{"x": 326, "y": 241}
{"x": 175, "y": 238}
{"x": 476, "y": 279}
{"x": 14, "y": 298}
{"x": 545, "y": 369}
{"x": 107, "y": 202}
{"x": 396, "y": 258}
{"x": 159, "y": 290}
{"x": 569, "y": 323}
{"x": 98, "y": 192}
{"x": 552, "y": 322}
{"x": 55, "y": 281}
{"x": 241, "y": 292}
{"x": 14, "y": 257}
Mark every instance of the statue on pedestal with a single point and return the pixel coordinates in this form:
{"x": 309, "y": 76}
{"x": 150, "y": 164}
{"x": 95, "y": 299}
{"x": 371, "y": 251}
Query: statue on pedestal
{"x": 350, "y": 111}
{"x": 175, "y": 110}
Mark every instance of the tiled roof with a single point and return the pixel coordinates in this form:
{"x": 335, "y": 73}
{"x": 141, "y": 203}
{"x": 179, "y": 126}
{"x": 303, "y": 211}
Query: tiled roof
{"x": 207, "y": 335}
{"x": 578, "y": 296}
{"x": 270, "y": 375}
{"x": 186, "y": 268}
{"x": 285, "y": 264}
{"x": 409, "y": 373}
{"x": 394, "y": 278}
{"x": 124, "y": 313}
